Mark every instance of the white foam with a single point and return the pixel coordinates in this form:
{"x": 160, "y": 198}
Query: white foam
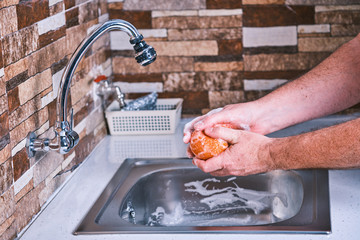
{"x": 212, "y": 201}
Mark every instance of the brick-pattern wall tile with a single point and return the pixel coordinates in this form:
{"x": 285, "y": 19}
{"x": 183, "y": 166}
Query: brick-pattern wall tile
{"x": 204, "y": 34}
{"x": 217, "y": 81}
{"x": 345, "y": 30}
{"x": 186, "y": 48}
{"x": 16, "y": 68}
{"x": 321, "y": 2}
{"x": 338, "y": 17}
{"x": 36, "y": 41}
{"x": 24, "y": 111}
{"x": 4, "y": 141}
{"x": 261, "y": 2}
{"x": 140, "y": 19}
{"x": 8, "y": 228}
{"x": 1, "y": 57}
{"x": 21, "y": 164}
{"x": 122, "y": 65}
{"x": 179, "y": 82}
{"x": 45, "y": 166}
{"x": 19, "y": 44}
{"x": 32, "y": 123}
{"x": 30, "y": 12}
{"x": 146, "y": 77}
{"x": 17, "y": 80}
{"x": 6, "y": 176}
{"x": 26, "y": 208}
{"x": 4, "y": 4}
{"x": 282, "y": 62}
{"x": 3, "y": 104}
{"x": 254, "y": 95}
{"x": 223, "y": 4}
{"x": 88, "y": 11}
{"x": 8, "y": 21}
{"x": 84, "y": 111}
{"x": 221, "y": 98}
{"x": 2, "y": 85}
{"x": 286, "y": 74}
{"x": 25, "y": 190}
{"x": 277, "y": 15}
{"x": 115, "y": 5}
{"x": 230, "y": 47}
{"x": 315, "y": 44}
{"x": 46, "y": 56}
{"x": 164, "y": 5}
{"x": 7, "y": 205}
{"x": 13, "y": 99}
{"x": 4, "y": 120}
{"x": 195, "y": 22}
{"x": 51, "y": 36}
{"x": 72, "y": 17}
{"x": 69, "y": 3}
{"x": 34, "y": 85}
{"x": 219, "y": 66}
{"x": 194, "y": 101}
{"x": 56, "y": 8}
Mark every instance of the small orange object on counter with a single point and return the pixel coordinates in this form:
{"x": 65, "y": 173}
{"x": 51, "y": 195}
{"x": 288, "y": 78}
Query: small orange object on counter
{"x": 205, "y": 147}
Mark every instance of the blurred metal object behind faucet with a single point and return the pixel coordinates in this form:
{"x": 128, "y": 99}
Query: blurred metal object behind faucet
{"x": 106, "y": 88}
{"x": 65, "y": 137}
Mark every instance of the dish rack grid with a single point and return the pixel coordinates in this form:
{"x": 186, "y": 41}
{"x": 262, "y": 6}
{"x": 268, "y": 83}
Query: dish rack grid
{"x": 163, "y": 120}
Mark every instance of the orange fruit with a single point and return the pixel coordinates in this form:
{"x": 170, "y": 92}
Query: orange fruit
{"x": 205, "y": 147}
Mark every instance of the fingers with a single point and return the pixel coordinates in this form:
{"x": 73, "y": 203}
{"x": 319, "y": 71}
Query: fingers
{"x": 210, "y": 119}
{"x": 189, "y": 127}
{"x": 198, "y": 122}
{"x": 232, "y": 136}
{"x": 210, "y": 165}
{"x": 189, "y": 153}
{"x": 220, "y": 173}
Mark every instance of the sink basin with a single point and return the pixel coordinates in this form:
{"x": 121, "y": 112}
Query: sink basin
{"x": 170, "y": 195}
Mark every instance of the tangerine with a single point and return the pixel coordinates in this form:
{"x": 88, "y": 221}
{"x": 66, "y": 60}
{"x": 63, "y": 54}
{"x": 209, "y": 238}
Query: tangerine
{"x": 205, "y": 147}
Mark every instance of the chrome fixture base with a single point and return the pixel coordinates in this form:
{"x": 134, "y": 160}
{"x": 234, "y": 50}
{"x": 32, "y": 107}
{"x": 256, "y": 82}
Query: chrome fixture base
{"x": 30, "y": 139}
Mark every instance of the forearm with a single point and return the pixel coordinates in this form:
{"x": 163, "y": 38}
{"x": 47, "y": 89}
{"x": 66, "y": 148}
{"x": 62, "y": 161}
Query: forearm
{"x": 334, "y": 147}
{"x": 330, "y": 87}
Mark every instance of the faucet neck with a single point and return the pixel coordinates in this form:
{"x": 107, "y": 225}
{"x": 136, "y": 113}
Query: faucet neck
{"x": 65, "y": 84}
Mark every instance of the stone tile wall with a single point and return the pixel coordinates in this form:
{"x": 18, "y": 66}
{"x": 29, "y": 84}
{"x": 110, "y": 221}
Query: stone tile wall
{"x": 217, "y": 52}
{"x": 37, "y": 39}
{"x": 211, "y": 53}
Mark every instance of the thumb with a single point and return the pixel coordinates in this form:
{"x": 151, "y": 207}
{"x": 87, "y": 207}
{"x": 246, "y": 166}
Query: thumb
{"x": 230, "y": 135}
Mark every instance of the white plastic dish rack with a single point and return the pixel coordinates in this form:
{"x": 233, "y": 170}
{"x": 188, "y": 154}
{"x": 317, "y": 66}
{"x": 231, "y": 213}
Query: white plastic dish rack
{"x": 163, "y": 120}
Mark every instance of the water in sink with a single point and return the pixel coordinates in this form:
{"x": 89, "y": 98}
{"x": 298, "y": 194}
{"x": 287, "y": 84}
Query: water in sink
{"x": 177, "y": 200}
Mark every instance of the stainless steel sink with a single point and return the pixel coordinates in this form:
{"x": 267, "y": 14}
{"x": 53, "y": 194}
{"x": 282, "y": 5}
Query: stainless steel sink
{"x": 170, "y": 195}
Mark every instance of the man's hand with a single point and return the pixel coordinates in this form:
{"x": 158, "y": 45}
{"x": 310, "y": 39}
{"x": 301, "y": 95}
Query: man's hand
{"x": 248, "y": 153}
{"x": 239, "y": 116}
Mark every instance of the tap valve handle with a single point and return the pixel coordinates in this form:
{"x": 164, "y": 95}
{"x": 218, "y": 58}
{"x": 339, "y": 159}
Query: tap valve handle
{"x": 100, "y": 78}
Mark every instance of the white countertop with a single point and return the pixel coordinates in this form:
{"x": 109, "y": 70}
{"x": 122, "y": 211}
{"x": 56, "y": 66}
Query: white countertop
{"x": 65, "y": 211}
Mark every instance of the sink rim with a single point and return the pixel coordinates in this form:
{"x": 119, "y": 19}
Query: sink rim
{"x": 321, "y": 215}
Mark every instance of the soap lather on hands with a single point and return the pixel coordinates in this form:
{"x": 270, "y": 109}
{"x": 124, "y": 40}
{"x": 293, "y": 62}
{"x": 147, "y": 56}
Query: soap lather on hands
{"x": 215, "y": 146}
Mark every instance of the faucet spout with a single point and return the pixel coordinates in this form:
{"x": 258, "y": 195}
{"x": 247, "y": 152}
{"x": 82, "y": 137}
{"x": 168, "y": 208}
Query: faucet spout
{"x": 144, "y": 55}
{"x": 65, "y": 138}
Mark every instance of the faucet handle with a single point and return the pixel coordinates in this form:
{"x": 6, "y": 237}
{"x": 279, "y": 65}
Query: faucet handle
{"x": 100, "y": 78}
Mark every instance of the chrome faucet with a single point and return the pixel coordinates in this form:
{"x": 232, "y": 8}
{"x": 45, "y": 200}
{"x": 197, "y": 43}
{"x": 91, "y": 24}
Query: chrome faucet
{"x": 106, "y": 88}
{"x": 65, "y": 137}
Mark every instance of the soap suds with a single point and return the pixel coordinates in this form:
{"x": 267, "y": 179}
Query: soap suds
{"x": 219, "y": 206}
